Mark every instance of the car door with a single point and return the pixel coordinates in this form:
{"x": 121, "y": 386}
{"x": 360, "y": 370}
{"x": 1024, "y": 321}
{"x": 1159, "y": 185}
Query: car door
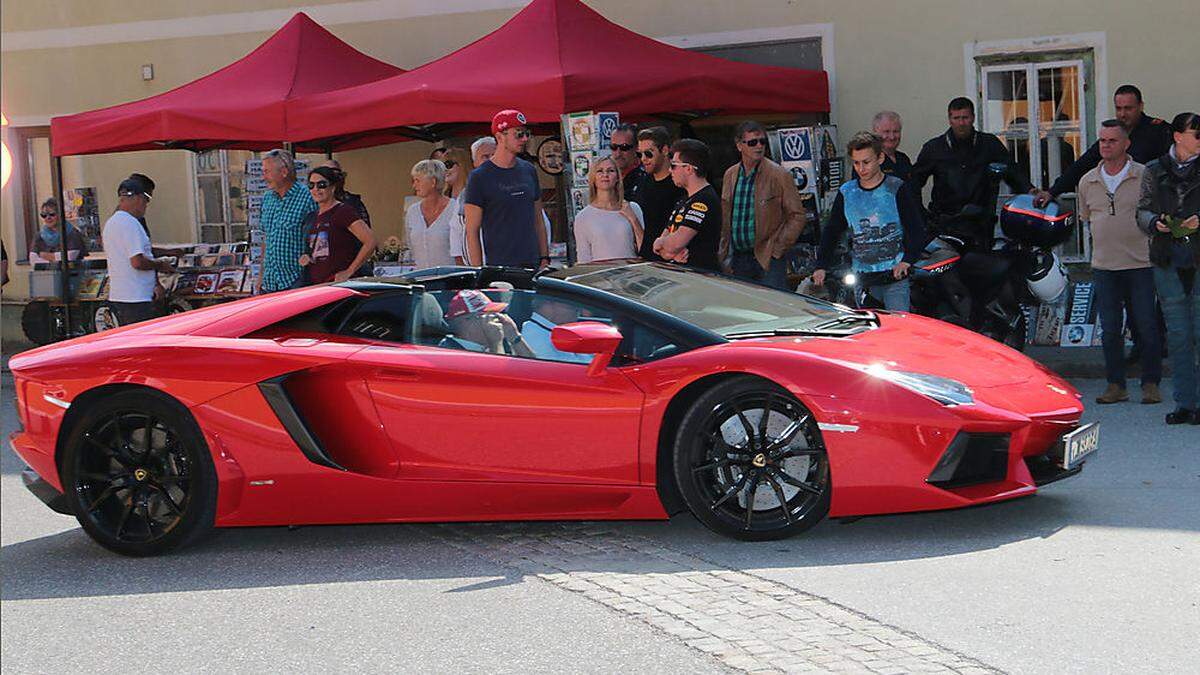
{"x": 456, "y": 414}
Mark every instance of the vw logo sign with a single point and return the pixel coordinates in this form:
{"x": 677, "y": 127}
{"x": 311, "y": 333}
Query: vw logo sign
{"x": 610, "y": 125}
{"x": 794, "y": 146}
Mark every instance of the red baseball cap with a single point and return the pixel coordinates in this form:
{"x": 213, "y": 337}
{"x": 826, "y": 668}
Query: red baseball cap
{"x": 473, "y": 302}
{"x": 507, "y": 119}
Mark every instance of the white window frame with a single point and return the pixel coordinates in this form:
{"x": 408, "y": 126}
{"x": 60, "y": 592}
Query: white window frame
{"x": 1032, "y": 95}
{"x": 226, "y": 209}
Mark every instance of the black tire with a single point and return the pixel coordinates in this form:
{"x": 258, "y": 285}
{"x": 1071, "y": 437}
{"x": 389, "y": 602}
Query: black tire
{"x": 133, "y": 497}
{"x": 36, "y": 322}
{"x": 747, "y": 480}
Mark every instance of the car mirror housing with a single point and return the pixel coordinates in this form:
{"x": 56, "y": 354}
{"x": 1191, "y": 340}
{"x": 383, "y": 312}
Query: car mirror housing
{"x": 588, "y": 337}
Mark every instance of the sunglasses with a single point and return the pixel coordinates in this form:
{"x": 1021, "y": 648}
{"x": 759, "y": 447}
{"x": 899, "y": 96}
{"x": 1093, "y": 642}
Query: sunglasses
{"x": 450, "y": 164}
{"x": 755, "y": 142}
{"x": 48, "y": 214}
{"x": 648, "y": 154}
{"x": 1112, "y": 204}
{"x": 522, "y": 133}
{"x": 319, "y": 185}
{"x": 623, "y": 147}
{"x": 676, "y": 165}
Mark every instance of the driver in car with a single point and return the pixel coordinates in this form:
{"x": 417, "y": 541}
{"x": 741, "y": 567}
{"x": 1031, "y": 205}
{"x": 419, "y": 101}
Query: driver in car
{"x": 479, "y": 324}
{"x": 548, "y": 313}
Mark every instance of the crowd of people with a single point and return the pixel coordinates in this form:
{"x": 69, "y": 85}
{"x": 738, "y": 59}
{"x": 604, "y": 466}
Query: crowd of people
{"x": 651, "y": 198}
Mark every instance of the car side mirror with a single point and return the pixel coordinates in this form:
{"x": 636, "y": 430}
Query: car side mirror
{"x": 588, "y": 337}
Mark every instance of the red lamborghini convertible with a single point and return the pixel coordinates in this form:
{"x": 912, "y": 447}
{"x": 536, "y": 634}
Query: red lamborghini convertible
{"x": 606, "y": 391}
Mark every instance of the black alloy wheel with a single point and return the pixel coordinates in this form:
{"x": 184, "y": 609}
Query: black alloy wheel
{"x": 750, "y": 462}
{"x": 138, "y": 474}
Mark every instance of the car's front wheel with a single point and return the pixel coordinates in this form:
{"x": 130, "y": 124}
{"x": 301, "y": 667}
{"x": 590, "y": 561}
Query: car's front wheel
{"x": 138, "y": 474}
{"x": 750, "y": 461}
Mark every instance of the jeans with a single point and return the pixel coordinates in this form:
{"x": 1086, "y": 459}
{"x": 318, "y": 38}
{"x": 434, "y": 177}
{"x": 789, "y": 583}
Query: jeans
{"x": 745, "y": 266}
{"x": 1130, "y": 291}
{"x": 133, "y": 312}
{"x": 1181, "y": 309}
{"x": 894, "y": 296}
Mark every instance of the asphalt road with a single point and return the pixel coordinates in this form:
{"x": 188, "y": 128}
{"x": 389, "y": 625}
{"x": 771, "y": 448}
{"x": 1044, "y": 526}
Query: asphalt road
{"x": 1100, "y": 573}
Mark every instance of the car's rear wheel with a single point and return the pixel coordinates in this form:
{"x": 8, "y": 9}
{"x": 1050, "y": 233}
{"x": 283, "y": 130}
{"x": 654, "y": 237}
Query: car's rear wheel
{"x": 750, "y": 461}
{"x": 139, "y": 475}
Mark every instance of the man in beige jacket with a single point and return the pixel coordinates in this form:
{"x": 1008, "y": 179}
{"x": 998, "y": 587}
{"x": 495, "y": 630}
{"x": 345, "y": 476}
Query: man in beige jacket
{"x": 1107, "y": 198}
{"x": 761, "y": 212}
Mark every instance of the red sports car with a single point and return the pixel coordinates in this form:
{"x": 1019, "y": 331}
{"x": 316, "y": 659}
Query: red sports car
{"x": 605, "y": 391}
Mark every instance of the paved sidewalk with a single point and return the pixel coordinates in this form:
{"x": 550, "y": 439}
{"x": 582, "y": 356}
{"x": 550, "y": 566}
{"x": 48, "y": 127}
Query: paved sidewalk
{"x": 748, "y": 622}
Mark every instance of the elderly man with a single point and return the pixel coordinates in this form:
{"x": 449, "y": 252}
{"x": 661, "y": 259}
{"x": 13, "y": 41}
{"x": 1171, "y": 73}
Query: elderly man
{"x": 1124, "y": 280}
{"x": 761, "y": 213}
{"x": 284, "y": 207}
{"x": 503, "y": 202}
{"x": 624, "y": 152}
{"x": 888, "y": 126}
{"x": 132, "y": 282}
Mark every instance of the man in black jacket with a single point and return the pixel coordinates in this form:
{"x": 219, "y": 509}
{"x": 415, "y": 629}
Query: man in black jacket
{"x": 1149, "y": 139}
{"x": 958, "y": 162}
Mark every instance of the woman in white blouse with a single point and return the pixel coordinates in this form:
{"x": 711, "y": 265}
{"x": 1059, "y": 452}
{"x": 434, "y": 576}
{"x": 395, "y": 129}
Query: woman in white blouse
{"x": 428, "y": 221}
{"x": 608, "y": 227}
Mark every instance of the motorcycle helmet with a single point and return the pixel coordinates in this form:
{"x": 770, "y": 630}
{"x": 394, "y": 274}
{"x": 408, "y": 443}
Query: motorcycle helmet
{"x": 1047, "y": 278}
{"x": 1043, "y": 227}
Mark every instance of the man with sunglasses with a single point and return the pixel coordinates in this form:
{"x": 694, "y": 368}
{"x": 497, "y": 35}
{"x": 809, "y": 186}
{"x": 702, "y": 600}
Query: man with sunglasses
{"x": 761, "y": 213}
{"x": 503, "y": 203}
{"x": 694, "y": 227}
{"x": 131, "y": 263}
{"x": 658, "y": 194}
{"x": 49, "y": 239}
{"x": 623, "y": 145}
{"x": 1107, "y": 197}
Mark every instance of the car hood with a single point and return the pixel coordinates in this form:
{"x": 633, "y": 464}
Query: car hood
{"x": 921, "y": 345}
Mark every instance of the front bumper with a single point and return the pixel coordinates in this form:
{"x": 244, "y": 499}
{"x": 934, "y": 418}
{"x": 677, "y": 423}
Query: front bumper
{"x": 46, "y": 492}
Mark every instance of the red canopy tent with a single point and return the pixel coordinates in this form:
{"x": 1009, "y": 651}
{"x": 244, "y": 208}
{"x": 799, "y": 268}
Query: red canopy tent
{"x": 554, "y": 57}
{"x": 242, "y": 105}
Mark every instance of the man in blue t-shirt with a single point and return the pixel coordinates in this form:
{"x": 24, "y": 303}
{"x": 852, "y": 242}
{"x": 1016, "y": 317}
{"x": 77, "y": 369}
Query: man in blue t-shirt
{"x": 502, "y": 203}
{"x": 887, "y": 231}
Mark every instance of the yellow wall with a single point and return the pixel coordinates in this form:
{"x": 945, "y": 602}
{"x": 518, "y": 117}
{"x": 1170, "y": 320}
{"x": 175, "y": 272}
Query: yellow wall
{"x": 907, "y": 56}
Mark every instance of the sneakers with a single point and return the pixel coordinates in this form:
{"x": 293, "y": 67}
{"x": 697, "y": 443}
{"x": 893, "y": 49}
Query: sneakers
{"x": 1114, "y": 394}
{"x": 1150, "y": 393}
{"x": 1183, "y": 416}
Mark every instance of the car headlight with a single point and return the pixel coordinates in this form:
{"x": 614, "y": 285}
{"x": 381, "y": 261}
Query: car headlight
{"x": 941, "y": 389}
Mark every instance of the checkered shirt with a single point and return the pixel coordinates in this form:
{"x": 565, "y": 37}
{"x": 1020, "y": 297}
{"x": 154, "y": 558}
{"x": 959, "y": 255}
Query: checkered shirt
{"x": 742, "y": 216}
{"x": 283, "y": 223}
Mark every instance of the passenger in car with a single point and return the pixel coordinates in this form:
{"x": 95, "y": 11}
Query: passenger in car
{"x": 479, "y": 324}
{"x": 547, "y": 313}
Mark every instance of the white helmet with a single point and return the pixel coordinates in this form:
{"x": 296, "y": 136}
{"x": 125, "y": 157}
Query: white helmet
{"x": 1047, "y": 277}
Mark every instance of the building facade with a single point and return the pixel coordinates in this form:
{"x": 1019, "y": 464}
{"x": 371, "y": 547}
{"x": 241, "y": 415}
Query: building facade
{"x": 1041, "y": 75}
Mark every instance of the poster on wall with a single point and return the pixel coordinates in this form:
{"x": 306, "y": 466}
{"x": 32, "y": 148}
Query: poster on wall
{"x": 606, "y": 125}
{"x": 581, "y": 164}
{"x": 796, "y": 156}
{"x": 83, "y": 212}
{"x": 581, "y": 131}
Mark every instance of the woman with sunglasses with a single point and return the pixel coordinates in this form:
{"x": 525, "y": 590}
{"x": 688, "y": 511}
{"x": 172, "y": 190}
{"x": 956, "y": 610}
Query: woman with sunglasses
{"x": 458, "y": 166}
{"x": 49, "y": 239}
{"x": 1169, "y": 211}
{"x": 338, "y": 241}
{"x": 609, "y": 227}
{"x": 428, "y": 222}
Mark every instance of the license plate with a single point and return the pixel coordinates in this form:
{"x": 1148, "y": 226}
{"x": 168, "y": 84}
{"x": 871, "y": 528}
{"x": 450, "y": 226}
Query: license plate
{"x": 1079, "y": 444}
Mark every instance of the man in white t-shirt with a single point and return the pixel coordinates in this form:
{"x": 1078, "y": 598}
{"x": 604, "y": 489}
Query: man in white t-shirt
{"x": 131, "y": 262}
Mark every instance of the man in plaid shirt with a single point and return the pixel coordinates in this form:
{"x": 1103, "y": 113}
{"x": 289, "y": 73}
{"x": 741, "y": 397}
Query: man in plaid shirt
{"x": 762, "y": 214}
{"x": 284, "y": 207}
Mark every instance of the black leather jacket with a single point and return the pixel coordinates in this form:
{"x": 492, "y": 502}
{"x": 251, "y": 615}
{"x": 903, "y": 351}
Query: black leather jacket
{"x": 959, "y": 171}
{"x": 1170, "y": 189}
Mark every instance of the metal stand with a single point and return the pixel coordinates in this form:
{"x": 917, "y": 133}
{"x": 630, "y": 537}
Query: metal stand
{"x": 64, "y": 264}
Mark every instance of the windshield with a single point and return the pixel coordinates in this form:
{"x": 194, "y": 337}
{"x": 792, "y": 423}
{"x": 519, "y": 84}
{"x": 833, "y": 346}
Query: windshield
{"x": 722, "y": 305}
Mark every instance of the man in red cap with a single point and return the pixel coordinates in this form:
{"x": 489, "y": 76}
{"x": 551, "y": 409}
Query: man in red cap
{"x": 502, "y": 203}
{"x": 479, "y": 324}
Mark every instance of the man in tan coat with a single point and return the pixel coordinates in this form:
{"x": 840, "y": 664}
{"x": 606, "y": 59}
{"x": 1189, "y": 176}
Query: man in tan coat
{"x": 761, "y": 212}
{"x": 1123, "y": 280}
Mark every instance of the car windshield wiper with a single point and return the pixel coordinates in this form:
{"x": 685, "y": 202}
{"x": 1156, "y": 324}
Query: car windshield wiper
{"x": 845, "y": 319}
{"x": 770, "y": 332}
